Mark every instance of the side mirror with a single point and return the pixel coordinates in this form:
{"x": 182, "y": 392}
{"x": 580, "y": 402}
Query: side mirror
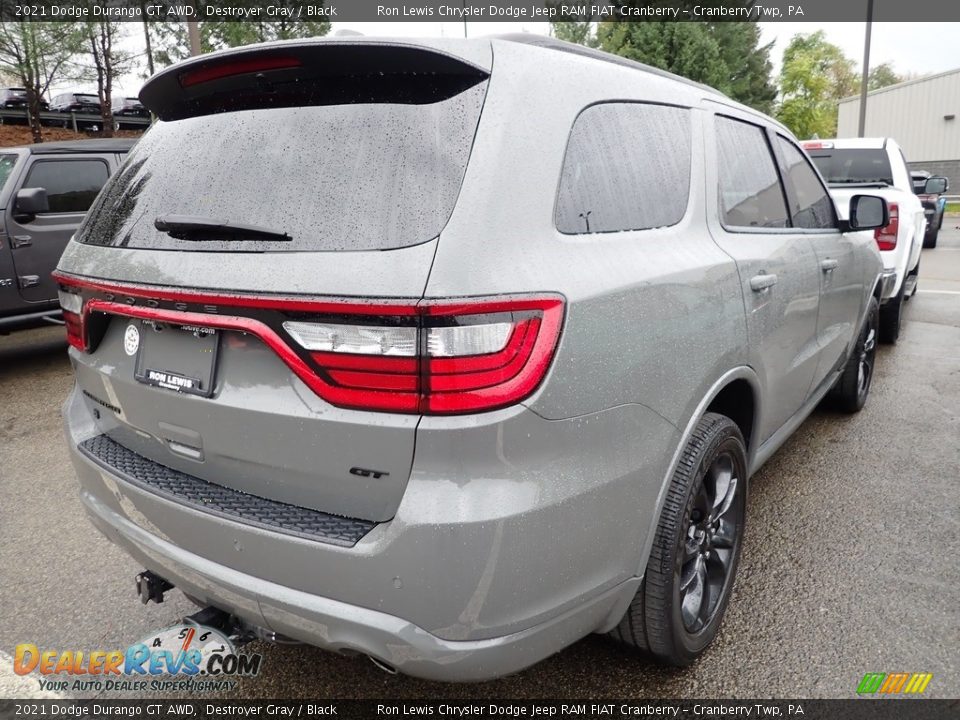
{"x": 936, "y": 186}
{"x": 31, "y": 201}
{"x": 867, "y": 212}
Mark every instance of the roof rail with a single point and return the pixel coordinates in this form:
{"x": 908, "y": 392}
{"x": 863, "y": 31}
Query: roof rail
{"x": 562, "y": 46}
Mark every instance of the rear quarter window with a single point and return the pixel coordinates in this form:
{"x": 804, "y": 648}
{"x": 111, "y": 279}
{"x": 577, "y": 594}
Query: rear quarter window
{"x": 626, "y": 167}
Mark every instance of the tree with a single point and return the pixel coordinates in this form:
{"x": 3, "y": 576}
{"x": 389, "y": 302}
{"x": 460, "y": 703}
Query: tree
{"x": 815, "y": 75}
{"x": 882, "y": 76}
{"x": 34, "y": 53}
{"x": 574, "y": 31}
{"x": 749, "y": 70}
{"x": 107, "y": 62}
{"x": 725, "y": 55}
{"x": 684, "y": 48}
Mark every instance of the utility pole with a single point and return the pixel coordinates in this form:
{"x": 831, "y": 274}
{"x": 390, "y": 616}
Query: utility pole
{"x": 866, "y": 71}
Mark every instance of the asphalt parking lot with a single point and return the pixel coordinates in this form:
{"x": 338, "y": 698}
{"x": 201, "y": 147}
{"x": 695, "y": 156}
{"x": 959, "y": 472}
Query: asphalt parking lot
{"x": 850, "y": 563}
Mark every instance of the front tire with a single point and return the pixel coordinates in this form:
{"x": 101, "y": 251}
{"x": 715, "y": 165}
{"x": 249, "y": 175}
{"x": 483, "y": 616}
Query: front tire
{"x": 930, "y": 239}
{"x": 853, "y": 387}
{"x": 678, "y": 609}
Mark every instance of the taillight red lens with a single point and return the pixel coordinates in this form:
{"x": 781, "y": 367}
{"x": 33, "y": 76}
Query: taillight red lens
{"x": 75, "y": 334}
{"x": 71, "y": 303}
{"x": 886, "y": 237}
{"x": 469, "y": 357}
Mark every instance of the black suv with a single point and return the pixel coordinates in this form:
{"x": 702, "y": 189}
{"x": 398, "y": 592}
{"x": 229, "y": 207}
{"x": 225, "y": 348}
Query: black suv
{"x": 45, "y": 191}
{"x": 76, "y": 102}
{"x": 128, "y": 107}
{"x": 933, "y": 206}
{"x": 17, "y": 98}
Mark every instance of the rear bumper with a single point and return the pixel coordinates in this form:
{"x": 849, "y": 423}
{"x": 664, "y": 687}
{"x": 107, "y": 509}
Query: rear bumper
{"x": 340, "y": 627}
{"x": 472, "y": 579}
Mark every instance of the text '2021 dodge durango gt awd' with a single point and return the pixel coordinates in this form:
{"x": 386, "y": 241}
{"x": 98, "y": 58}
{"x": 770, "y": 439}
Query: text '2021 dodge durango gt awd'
{"x": 453, "y": 352}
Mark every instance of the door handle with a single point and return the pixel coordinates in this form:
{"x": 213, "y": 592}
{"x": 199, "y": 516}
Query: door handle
{"x": 29, "y": 281}
{"x": 19, "y": 241}
{"x": 829, "y": 265}
{"x": 759, "y": 283}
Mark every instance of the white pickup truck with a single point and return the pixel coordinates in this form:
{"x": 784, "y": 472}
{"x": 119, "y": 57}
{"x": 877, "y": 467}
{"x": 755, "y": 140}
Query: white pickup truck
{"x": 851, "y": 164}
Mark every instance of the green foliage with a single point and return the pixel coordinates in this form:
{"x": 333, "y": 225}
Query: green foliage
{"x": 724, "y": 55}
{"x": 684, "y": 48}
{"x": 882, "y": 76}
{"x": 574, "y": 31}
{"x": 747, "y": 62}
{"x": 815, "y": 75}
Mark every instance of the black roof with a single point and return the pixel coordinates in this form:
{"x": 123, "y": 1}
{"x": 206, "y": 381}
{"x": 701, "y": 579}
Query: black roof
{"x": 562, "y": 46}
{"x": 65, "y": 147}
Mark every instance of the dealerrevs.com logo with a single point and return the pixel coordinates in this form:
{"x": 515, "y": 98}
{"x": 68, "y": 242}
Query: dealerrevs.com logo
{"x": 181, "y": 657}
{"x": 894, "y": 683}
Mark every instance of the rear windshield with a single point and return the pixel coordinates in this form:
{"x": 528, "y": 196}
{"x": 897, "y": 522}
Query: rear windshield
{"x": 345, "y": 177}
{"x": 860, "y": 165}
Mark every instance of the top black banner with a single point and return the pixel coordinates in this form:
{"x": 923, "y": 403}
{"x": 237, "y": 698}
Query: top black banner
{"x": 478, "y": 11}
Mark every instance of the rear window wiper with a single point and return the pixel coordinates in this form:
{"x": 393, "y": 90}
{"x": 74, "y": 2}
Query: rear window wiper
{"x": 201, "y": 229}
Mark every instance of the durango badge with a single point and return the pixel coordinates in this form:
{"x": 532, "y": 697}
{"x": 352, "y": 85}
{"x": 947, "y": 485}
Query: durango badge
{"x": 131, "y": 340}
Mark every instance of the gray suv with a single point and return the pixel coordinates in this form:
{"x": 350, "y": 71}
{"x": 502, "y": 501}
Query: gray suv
{"x": 453, "y": 352}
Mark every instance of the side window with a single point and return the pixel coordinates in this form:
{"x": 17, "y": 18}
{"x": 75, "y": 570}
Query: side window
{"x": 627, "y": 167}
{"x": 811, "y": 206}
{"x": 71, "y": 185}
{"x": 750, "y": 191}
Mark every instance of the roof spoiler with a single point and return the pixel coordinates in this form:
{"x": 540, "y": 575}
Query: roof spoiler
{"x": 317, "y": 73}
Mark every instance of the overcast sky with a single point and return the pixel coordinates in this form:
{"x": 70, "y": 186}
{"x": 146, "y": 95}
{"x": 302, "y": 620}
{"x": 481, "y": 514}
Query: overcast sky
{"x": 919, "y": 48}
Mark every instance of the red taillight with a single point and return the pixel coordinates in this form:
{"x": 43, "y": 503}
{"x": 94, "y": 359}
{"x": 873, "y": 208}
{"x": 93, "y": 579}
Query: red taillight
{"x": 236, "y": 67}
{"x": 75, "y": 334}
{"x": 71, "y": 302}
{"x": 459, "y": 358}
{"x": 886, "y": 237}
{"x": 438, "y": 357}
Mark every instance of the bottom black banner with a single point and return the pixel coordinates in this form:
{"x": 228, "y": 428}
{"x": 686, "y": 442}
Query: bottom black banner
{"x": 854, "y": 709}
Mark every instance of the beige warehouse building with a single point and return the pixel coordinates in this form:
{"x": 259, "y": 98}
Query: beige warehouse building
{"x": 922, "y": 115}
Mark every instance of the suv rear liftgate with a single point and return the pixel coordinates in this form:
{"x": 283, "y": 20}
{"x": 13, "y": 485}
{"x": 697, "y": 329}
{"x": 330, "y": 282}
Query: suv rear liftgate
{"x": 248, "y": 389}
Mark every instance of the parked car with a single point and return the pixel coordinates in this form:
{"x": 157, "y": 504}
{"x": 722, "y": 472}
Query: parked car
{"x": 75, "y": 102}
{"x": 853, "y": 165}
{"x": 129, "y": 107}
{"x": 45, "y": 190}
{"x": 452, "y": 388}
{"x": 17, "y": 98}
{"x": 933, "y": 203}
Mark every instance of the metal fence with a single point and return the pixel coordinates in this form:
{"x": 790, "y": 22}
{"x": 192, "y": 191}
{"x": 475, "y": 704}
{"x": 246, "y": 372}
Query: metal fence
{"x": 73, "y": 120}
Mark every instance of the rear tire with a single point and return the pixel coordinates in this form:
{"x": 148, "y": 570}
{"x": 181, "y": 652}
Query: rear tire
{"x": 851, "y": 391}
{"x": 891, "y": 317}
{"x": 678, "y": 608}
